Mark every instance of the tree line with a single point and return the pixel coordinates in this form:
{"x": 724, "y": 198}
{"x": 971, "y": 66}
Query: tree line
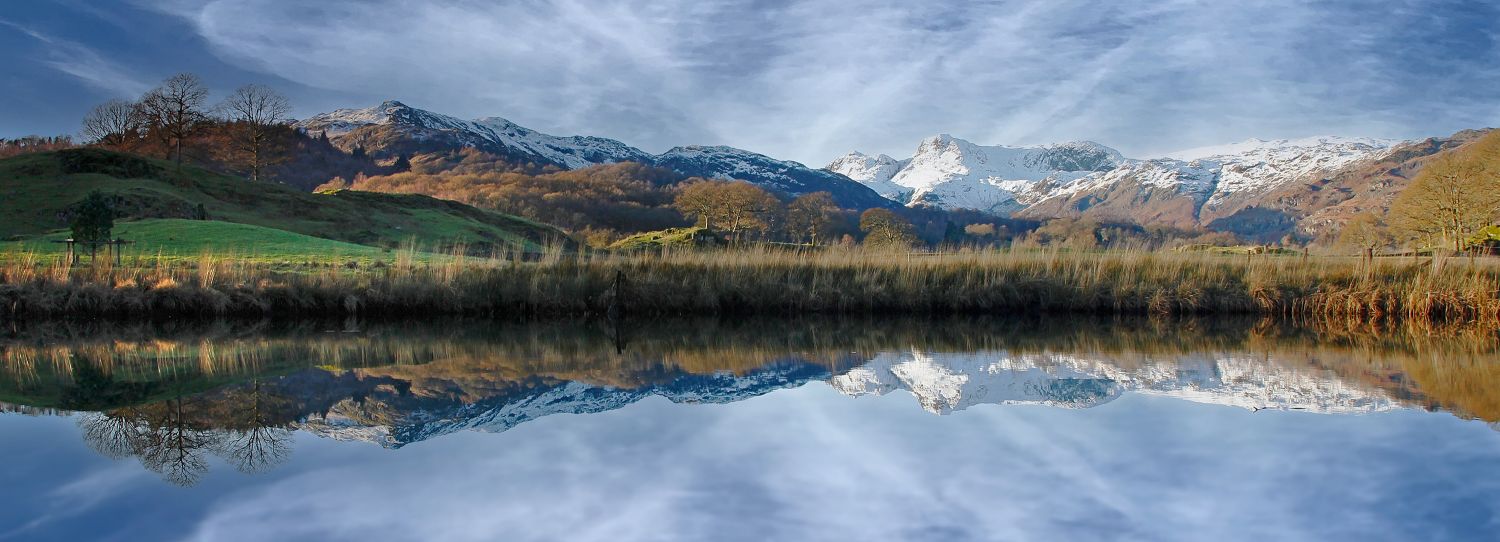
{"x": 1453, "y": 204}
{"x": 249, "y": 133}
{"x": 177, "y": 112}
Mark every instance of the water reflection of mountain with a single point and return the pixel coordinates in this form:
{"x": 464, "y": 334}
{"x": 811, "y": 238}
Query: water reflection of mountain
{"x": 174, "y": 397}
{"x": 944, "y": 383}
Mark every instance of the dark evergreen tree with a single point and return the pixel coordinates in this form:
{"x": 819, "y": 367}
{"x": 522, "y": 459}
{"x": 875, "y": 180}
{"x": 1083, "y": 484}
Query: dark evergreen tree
{"x": 94, "y": 219}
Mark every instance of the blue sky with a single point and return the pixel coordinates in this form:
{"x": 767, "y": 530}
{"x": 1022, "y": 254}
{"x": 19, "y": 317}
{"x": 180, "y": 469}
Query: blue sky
{"x": 798, "y": 79}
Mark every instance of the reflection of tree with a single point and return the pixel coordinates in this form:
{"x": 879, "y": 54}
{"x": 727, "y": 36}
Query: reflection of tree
{"x": 175, "y": 446}
{"x": 254, "y": 442}
{"x": 175, "y": 437}
{"x": 114, "y": 437}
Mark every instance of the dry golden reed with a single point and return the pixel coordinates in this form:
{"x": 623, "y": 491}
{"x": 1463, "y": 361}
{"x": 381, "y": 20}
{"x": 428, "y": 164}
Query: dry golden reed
{"x": 772, "y": 281}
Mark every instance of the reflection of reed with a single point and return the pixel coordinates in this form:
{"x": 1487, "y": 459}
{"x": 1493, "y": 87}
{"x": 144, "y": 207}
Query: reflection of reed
{"x": 1451, "y": 368}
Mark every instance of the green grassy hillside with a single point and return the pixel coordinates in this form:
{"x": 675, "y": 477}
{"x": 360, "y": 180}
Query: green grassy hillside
{"x": 40, "y": 189}
{"x": 181, "y": 239}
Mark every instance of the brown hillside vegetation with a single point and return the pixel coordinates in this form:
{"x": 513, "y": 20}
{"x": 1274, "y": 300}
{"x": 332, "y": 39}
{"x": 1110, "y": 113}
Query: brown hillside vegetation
{"x": 618, "y": 197}
{"x": 1327, "y": 204}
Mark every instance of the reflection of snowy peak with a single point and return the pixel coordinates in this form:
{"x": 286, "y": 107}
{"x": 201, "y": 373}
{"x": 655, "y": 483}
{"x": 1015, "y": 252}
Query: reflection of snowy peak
{"x": 393, "y": 415}
{"x": 394, "y": 420}
{"x": 945, "y": 383}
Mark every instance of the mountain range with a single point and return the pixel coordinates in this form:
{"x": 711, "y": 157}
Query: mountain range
{"x": 1259, "y": 189}
{"x": 394, "y": 129}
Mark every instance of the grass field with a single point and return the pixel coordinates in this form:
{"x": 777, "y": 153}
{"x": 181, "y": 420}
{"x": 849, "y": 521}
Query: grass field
{"x": 41, "y": 188}
{"x": 180, "y": 240}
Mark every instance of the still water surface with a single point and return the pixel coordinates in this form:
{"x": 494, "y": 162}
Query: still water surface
{"x": 792, "y": 430}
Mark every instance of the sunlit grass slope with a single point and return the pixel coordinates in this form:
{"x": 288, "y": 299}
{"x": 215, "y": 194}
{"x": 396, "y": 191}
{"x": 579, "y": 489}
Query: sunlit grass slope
{"x": 40, "y": 189}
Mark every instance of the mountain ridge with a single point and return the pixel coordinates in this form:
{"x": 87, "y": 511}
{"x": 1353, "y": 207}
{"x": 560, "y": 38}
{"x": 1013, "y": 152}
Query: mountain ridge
{"x": 1249, "y": 188}
{"x": 393, "y": 129}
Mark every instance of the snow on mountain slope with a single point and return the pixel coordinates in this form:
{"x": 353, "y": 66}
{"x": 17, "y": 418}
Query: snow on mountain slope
{"x": 393, "y": 128}
{"x": 571, "y": 152}
{"x": 1219, "y": 186}
{"x": 1255, "y": 146}
{"x": 488, "y": 133}
{"x": 954, "y": 173}
{"x": 873, "y": 171}
{"x": 945, "y": 383}
{"x": 1257, "y": 166}
{"x": 792, "y": 178}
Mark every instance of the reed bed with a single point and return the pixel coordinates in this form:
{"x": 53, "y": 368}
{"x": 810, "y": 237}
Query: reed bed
{"x": 770, "y": 281}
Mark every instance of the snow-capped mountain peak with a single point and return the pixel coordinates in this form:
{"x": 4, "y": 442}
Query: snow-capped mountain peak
{"x": 951, "y": 172}
{"x": 1190, "y": 188}
{"x": 492, "y": 134}
{"x": 872, "y": 171}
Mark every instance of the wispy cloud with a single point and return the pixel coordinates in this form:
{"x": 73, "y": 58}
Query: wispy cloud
{"x": 809, "y": 79}
{"x": 809, "y": 464}
{"x": 83, "y": 63}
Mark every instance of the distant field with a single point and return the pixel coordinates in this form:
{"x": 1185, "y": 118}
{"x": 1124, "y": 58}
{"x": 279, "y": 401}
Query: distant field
{"x": 178, "y": 239}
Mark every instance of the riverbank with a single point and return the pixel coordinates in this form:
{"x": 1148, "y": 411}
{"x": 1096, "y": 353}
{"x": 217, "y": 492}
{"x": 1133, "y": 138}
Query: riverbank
{"x": 771, "y": 282}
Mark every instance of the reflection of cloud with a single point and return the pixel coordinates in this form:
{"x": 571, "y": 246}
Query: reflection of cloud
{"x": 809, "y": 79}
{"x": 81, "y": 495}
{"x": 83, "y": 63}
{"x": 810, "y": 464}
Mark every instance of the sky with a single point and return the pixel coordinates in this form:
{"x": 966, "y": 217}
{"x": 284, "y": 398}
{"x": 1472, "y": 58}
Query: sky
{"x": 806, "y": 80}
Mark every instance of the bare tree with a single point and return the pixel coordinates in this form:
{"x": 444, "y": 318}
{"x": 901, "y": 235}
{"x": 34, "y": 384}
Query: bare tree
{"x": 255, "y": 111}
{"x": 175, "y": 110}
{"x": 113, "y": 123}
{"x": 1366, "y": 232}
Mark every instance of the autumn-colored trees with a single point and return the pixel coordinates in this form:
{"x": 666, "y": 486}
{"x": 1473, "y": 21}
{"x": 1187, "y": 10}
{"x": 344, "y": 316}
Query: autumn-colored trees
{"x": 602, "y": 200}
{"x": 247, "y": 134}
{"x": 885, "y": 228}
{"x": 734, "y": 207}
{"x": 1454, "y": 196}
{"x": 253, "y": 112}
{"x": 810, "y": 216}
{"x": 30, "y": 144}
{"x": 1367, "y": 233}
